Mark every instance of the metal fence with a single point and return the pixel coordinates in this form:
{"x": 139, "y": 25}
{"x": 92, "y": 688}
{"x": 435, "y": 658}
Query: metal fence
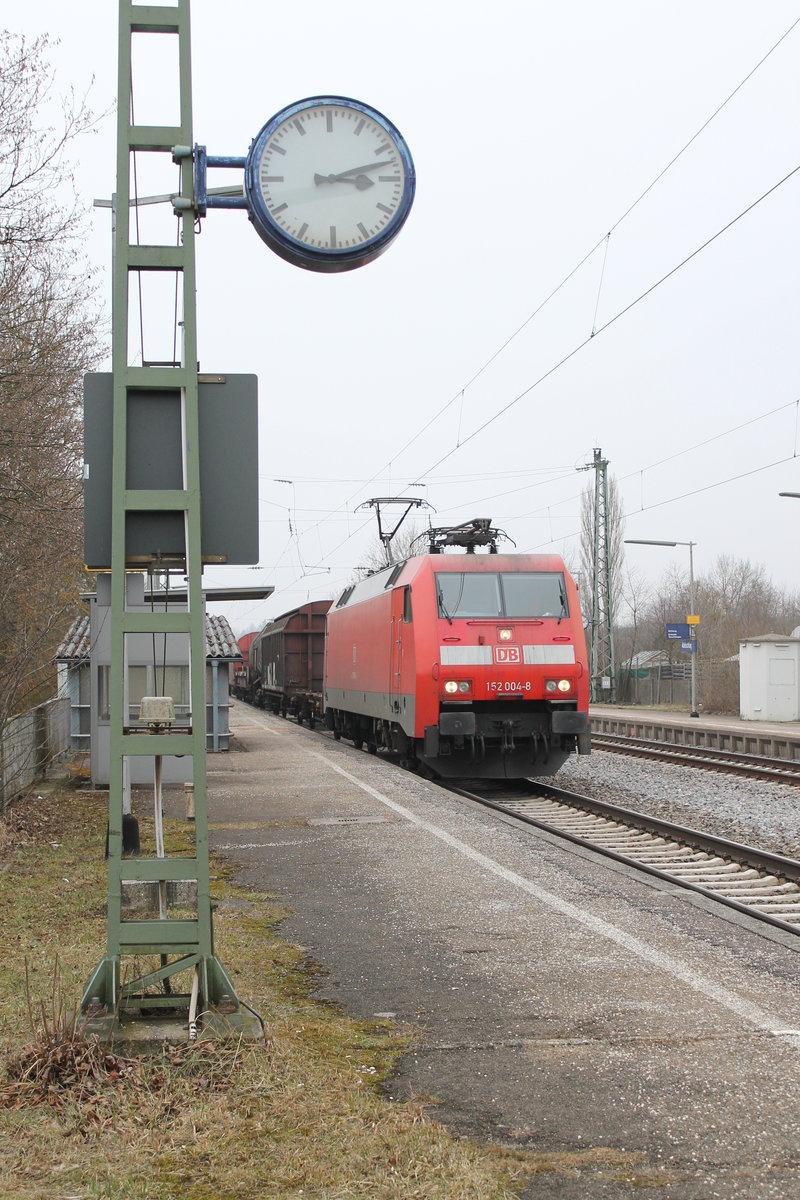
{"x": 29, "y": 743}
{"x": 670, "y": 684}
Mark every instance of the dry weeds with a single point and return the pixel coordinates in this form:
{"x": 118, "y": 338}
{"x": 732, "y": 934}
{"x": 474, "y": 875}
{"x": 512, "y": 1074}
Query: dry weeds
{"x": 302, "y": 1115}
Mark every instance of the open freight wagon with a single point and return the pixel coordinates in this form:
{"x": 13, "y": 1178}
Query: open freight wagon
{"x": 287, "y": 661}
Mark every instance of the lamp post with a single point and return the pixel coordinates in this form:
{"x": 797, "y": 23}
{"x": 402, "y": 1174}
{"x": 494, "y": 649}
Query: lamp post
{"x": 691, "y": 545}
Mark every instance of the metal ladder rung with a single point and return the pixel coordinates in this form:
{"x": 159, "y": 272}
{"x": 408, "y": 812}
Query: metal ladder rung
{"x": 156, "y": 258}
{"x": 155, "y": 18}
{"x": 156, "y": 378}
{"x": 157, "y": 500}
{"x": 167, "y": 932}
{"x": 155, "y": 138}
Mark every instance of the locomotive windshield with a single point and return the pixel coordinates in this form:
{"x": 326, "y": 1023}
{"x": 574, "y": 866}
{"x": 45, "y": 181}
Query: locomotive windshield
{"x": 502, "y": 595}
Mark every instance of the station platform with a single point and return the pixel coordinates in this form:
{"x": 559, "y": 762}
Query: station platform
{"x": 644, "y": 1040}
{"x": 775, "y": 739}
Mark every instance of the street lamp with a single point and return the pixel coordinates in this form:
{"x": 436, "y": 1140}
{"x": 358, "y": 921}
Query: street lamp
{"x": 691, "y": 545}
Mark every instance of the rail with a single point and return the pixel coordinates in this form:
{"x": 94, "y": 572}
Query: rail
{"x": 752, "y": 881}
{"x": 753, "y": 766}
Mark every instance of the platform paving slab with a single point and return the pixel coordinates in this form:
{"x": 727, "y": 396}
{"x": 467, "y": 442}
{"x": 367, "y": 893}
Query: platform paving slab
{"x": 564, "y": 1003}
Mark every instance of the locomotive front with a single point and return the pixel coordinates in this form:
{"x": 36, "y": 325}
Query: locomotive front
{"x": 471, "y": 665}
{"x": 509, "y": 688}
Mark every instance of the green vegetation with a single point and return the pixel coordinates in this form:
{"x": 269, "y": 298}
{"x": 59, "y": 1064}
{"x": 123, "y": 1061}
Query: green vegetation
{"x": 49, "y": 336}
{"x": 304, "y": 1114}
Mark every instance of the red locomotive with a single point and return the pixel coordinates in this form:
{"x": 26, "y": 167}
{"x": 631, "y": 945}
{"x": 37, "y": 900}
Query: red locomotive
{"x": 470, "y": 665}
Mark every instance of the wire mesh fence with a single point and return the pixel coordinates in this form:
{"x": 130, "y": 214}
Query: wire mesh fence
{"x": 30, "y": 743}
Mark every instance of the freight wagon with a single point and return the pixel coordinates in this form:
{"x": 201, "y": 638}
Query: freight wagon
{"x": 286, "y": 663}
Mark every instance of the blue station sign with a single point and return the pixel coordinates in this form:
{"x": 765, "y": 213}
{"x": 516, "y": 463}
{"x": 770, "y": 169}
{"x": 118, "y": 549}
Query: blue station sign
{"x": 677, "y": 633}
{"x": 688, "y": 646}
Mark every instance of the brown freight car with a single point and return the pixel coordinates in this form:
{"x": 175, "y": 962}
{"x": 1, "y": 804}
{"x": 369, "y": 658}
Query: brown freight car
{"x": 287, "y": 661}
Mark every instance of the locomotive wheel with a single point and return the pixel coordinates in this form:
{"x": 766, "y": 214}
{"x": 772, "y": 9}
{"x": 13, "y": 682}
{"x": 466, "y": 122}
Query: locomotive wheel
{"x": 337, "y": 735}
{"x": 372, "y": 747}
{"x": 358, "y": 742}
{"x": 311, "y": 721}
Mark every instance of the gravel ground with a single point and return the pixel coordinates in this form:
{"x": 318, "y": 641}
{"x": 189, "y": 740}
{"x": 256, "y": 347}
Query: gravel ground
{"x": 762, "y": 814}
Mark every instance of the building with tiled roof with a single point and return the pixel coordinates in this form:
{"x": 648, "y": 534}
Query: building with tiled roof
{"x": 156, "y": 666}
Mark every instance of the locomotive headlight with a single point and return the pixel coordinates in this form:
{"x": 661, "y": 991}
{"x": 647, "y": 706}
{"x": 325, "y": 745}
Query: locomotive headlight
{"x": 564, "y": 685}
{"x": 505, "y": 635}
{"x": 451, "y": 687}
{"x": 550, "y": 685}
{"x": 464, "y": 685}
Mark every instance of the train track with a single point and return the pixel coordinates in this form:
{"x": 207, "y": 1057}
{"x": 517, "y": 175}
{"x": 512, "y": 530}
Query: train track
{"x": 763, "y": 885}
{"x": 753, "y": 766}
{"x": 755, "y": 882}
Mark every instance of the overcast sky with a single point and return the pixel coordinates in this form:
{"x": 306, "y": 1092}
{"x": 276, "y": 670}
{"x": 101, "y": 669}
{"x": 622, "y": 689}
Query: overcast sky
{"x": 534, "y": 127}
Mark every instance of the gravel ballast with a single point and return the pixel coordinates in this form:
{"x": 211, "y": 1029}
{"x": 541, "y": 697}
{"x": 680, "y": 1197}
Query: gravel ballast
{"x": 762, "y": 814}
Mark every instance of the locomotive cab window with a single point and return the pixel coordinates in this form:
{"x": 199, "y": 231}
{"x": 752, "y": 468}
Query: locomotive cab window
{"x": 535, "y": 595}
{"x": 473, "y": 594}
{"x": 407, "y": 605}
{"x": 484, "y": 594}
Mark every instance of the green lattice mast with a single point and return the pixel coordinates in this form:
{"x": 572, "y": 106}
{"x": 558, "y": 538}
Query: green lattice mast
{"x": 185, "y": 942}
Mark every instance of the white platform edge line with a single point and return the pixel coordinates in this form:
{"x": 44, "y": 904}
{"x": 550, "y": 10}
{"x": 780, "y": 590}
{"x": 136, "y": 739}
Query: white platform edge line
{"x": 650, "y": 954}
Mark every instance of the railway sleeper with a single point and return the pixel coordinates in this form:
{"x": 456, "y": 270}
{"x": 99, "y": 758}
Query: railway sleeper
{"x": 777, "y": 892}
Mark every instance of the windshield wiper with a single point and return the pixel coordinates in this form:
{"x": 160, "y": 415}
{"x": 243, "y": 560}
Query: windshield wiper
{"x": 563, "y": 594}
{"x": 443, "y": 606}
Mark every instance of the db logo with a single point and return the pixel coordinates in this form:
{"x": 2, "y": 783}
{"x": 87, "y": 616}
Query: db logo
{"x": 506, "y": 654}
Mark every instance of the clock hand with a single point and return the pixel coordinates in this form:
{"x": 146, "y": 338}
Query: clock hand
{"x": 353, "y": 175}
{"x": 361, "y": 181}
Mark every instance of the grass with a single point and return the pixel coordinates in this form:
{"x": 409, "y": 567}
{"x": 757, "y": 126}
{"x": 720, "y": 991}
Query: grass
{"x": 302, "y": 1115}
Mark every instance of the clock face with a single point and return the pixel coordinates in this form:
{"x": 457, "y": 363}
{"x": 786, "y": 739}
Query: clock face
{"x": 329, "y": 183}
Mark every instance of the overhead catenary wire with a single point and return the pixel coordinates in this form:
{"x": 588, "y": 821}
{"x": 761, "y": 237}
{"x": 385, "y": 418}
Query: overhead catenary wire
{"x": 611, "y": 321}
{"x": 459, "y": 394}
{"x": 706, "y": 487}
{"x": 640, "y": 471}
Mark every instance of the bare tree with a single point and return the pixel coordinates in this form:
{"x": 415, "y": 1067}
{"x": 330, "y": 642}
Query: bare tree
{"x": 48, "y": 339}
{"x": 405, "y": 543}
{"x": 734, "y": 600}
{"x": 634, "y": 599}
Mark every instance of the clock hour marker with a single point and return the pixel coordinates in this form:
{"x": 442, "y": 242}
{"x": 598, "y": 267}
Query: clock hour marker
{"x": 329, "y": 121}
{"x": 280, "y": 209}
{"x": 382, "y": 149}
{"x": 272, "y": 179}
{"x": 278, "y": 149}
{"x": 388, "y": 178}
{"x": 299, "y": 127}
{"x": 333, "y": 237}
{"x": 385, "y": 209}
{"x": 362, "y": 230}
{"x": 301, "y": 233}
{"x": 359, "y": 127}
